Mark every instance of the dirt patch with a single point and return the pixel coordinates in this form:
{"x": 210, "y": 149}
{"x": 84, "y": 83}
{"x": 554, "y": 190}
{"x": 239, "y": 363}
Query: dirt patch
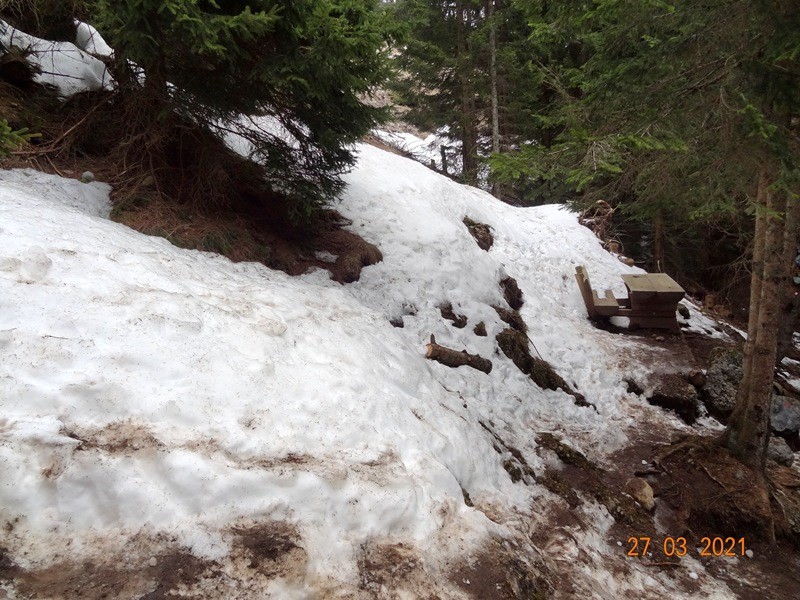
{"x": 579, "y": 480}
{"x": 244, "y": 236}
{"x": 512, "y": 293}
{"x": 271, "y": 548}
{"x": 115, "y": 577}
{"x": 773, "y": 573}
{"x": 120, "y": 437}
{"x": 481, "y": 232}
{"x": 712, "y": 492}
{"x": 393, "y": 567}
{"x": 514, "y": 345}
{"x": 459, "y": 321}
{"x": 498, "y": 573}
{"x": 701, "y": 346}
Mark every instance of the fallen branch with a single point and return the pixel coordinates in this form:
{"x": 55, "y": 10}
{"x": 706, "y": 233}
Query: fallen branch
{"x": 454, "y": 358}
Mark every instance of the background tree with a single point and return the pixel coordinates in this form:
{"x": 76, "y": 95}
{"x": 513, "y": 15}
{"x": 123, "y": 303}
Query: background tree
{"x": 464, "y": 67}
{"x": 684, "y": 115}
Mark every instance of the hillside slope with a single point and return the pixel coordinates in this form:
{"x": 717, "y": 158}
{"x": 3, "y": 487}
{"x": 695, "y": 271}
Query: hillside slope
{"x": 175, "y": 421}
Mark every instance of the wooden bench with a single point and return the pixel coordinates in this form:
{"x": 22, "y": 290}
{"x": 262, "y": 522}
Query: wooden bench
{"x": 607, "y": 306}
{"x": 654, "y": 300}
{"x": 651, "y": 303}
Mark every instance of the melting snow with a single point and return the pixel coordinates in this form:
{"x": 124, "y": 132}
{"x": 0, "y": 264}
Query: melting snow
{"x": 150, "y": 388}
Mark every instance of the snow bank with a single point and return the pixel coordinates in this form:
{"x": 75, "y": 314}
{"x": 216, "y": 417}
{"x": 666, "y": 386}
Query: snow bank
{"x": 147, "y": 389}
{"x": 62, "y": 64}
{"x": 252, "y": 395}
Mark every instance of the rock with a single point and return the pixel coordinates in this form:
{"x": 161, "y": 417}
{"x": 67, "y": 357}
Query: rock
{"x": 627, "y": 261}
{"x": 683, "y": 311}
{"x": 779, "y": 451}
{"x": 785, "y": 417}
{"x": 641, "y": 491}
{"x": 722, "y": 380}
{"x": 673, "y": 392}
{"x": 87, "y": 177}
{"x": 480, "y": 329}
{"x": 697, "y": 378}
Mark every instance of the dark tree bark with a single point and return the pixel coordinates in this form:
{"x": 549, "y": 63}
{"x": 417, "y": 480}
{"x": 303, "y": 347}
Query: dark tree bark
{"x": 469, "y": 131}
{"x": 748, "y": 429}
{"x": 658, "y": 242}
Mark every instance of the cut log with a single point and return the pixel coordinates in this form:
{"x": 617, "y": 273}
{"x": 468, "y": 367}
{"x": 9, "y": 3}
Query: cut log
{"x": 454, "y": 358}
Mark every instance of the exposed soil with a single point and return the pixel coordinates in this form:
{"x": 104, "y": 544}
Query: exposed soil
{"x": 498, "y": 573}
{"x": 512, "y": 293}
{"x": 113, "y": 576}
{"x": 447, "y": 312}
{"x": 687, "y": 478}
{"x": 481, "y": 232}
{"x": 272, "y": 549}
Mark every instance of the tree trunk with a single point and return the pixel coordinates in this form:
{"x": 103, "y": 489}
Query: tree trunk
{"x": 790, "y": 313}
{"x": 493, "y": 84}
{"x": 658, "y": 242}
{"x": 493, "y": 77}
{"x": 748, "y": 429}
{"x": 755, "y": 280}
{"x": 469, "y": 133}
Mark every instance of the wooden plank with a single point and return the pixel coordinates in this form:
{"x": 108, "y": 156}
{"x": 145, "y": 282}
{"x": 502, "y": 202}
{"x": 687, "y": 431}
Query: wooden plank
{"x": 638, "y": 283}
{"x": 607, "y": 306}
{"x": 586, "y": 290}
{"x": 663, "y": 283}
{"x": 660, "y": 283}
{"x": 655, "y": 323}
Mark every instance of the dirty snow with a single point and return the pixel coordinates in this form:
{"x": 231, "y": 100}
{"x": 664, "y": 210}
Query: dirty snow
{"x": 152, "y": 391}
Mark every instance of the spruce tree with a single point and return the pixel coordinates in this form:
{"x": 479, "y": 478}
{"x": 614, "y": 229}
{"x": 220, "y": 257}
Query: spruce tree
{"x": 301, "y": 68}
{"x": 684, "y": 113}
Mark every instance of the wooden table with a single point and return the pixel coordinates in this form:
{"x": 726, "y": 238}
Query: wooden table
{"x": 653, "y": 300}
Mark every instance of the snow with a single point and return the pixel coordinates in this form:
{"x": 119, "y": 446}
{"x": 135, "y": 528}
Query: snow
{"x": 88, "y": 39}
{"x": 63, "y": 65}
{"x": 428, "y": 150}
{"x": 147, "y": 389}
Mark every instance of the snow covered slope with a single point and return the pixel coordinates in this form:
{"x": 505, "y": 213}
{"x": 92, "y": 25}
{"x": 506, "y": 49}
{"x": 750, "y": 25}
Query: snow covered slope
{"x": 159, "y": 401}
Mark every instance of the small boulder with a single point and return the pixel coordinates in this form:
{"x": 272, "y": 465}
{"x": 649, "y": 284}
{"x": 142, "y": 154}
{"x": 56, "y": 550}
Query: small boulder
{"x": 640, "y": 490}
{"x": 673, "y": 392}
{"x": 480, "y": 329}
{"x": 722, "y": 380}
{"x": 87, "y": 177}
{"x": 697, "y": 378}
{"x": 779, "y": 451}
{"x": 785, "y": 417}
